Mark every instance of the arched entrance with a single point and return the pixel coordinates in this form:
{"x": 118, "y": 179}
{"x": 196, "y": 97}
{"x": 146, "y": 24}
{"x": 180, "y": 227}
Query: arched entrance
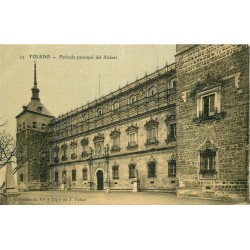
{"x": 99, "y": 176}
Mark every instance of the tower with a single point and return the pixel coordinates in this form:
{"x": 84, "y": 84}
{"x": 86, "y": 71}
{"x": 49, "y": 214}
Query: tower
{"x": 32, "y": 143}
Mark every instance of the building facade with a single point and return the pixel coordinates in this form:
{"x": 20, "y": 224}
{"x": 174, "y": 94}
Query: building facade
{"x": 183, "y": 128}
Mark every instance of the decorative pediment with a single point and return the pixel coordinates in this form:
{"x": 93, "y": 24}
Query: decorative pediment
{"x": 99, "y": 137}
{"x": 208, "y": 144}
{"x": 85, "y": 141}
{"x": 115, "y": 164}
{"x": 115, "y": 133}
{"x": 170, "y": 118}
{"x": 172, "y": 157}
{"x": 206, "y": 85}
{"x": 151, "y": 123}
{"x": 132, "y": 128}
{"x": 132, "y": 162}
{"x": 152, "y": 160}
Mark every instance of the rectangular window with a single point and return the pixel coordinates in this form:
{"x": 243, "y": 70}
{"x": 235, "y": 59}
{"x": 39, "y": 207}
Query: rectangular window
{"x": 56, "y": 177}
{"x": 64, "y": 177}
{"x": 116, "y": 141}
{"x": 74, "y": 175}
{"x": 151, "y": 170}
{"x": 85, "y": 174}
{"x": 132, "y": 139}
{"x": 172, "y": 168}
{"x": 99, "y": 148}
{"x": 115, "y": 172}
{"x": 207, "y": 161}
{"x": 131, "y": 171}
{"x": 172, "y": 131}
{"x": 152, "y": 133}
{"x": 209, "y": 105}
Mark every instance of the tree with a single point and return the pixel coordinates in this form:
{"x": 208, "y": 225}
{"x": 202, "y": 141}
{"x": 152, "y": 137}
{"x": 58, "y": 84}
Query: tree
{"x": 7, "y": 146}
{"x": 23, "y": 151}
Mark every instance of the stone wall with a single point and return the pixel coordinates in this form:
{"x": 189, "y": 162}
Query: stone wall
{"x": 229, "y": 66}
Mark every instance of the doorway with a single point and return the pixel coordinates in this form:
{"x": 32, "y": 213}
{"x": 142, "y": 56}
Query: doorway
{"x": 99, "y": 176}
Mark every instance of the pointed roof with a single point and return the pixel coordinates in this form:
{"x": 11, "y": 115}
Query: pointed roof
{"x": 35, "y": 105}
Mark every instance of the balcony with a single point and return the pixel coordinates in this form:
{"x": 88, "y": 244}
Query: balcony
{"x": 152, "y": 142}
{"x": 73, "y": 156}
{"x": 132, "y": 145}
{"x": 84, "y": 154}
{"x": 64, "y": 158}
{"x": 115, "y": 148}
{"x": 170, "y": 138}
{"x": 204, "y": 116}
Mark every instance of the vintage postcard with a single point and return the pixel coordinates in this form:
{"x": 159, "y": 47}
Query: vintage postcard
{"x": 124, "y": 124}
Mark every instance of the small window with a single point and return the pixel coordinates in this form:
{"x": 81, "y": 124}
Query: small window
{"x": 209, "y": 105}
{"x": 131, "y": 171}
{"x": 152, "y": 135}
{"x": 132, "y": 99}
{"x": 172, "y": 84}
{"x": 56, "y": 179}
{"x": 172, "y": 132}
{"x": 115, "y": 107}
{"x": 85, "y": 174}
{"x": 115, "y": 172}
{"x": 151, "y": 169}
{"x": 116, "y": 141}
{"x": 151, "y": 91}
{"x": 99, "y": 112}
{"x": 172, "y": 168}
{"x": 64, "y": 177}
{"x": 73, "y": 175}
{"x": 23, "y": 125}
{"x": 21, "y": 177}
{"x": 34, "y": 124}
{"x": 132, "y": 139}
{"x": 43, "y": 126}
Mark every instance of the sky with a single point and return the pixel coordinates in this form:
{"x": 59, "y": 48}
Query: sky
{"x": 66, "y": 77}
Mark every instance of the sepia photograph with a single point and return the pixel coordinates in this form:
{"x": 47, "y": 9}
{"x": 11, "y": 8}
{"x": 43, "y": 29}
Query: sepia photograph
{"x": 124, "y": 124}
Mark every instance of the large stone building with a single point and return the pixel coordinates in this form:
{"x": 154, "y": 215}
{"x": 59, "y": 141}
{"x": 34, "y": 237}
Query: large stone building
{"x": 183, "y": 128}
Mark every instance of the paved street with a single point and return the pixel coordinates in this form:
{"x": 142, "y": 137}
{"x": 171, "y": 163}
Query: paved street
{"x": 112, "y": 198}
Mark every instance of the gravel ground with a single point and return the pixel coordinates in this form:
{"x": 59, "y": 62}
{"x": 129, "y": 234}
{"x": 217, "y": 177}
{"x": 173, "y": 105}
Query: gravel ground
{"x": 112, "y": 198}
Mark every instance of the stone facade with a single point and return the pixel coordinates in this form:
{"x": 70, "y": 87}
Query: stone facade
{"x": 183, "y": 128}
{"x": 129, "y": 128}
{"x": 206, "y": 72}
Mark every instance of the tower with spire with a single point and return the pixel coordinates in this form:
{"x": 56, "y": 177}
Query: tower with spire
{"x": 32, "y": 142}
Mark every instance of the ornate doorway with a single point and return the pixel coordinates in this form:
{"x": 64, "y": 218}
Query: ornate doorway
{"x": 99, "y": 176}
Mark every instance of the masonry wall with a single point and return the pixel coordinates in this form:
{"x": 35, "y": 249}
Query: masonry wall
{"x": 228, "y": 64}
{"x": 32, "y": 143}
